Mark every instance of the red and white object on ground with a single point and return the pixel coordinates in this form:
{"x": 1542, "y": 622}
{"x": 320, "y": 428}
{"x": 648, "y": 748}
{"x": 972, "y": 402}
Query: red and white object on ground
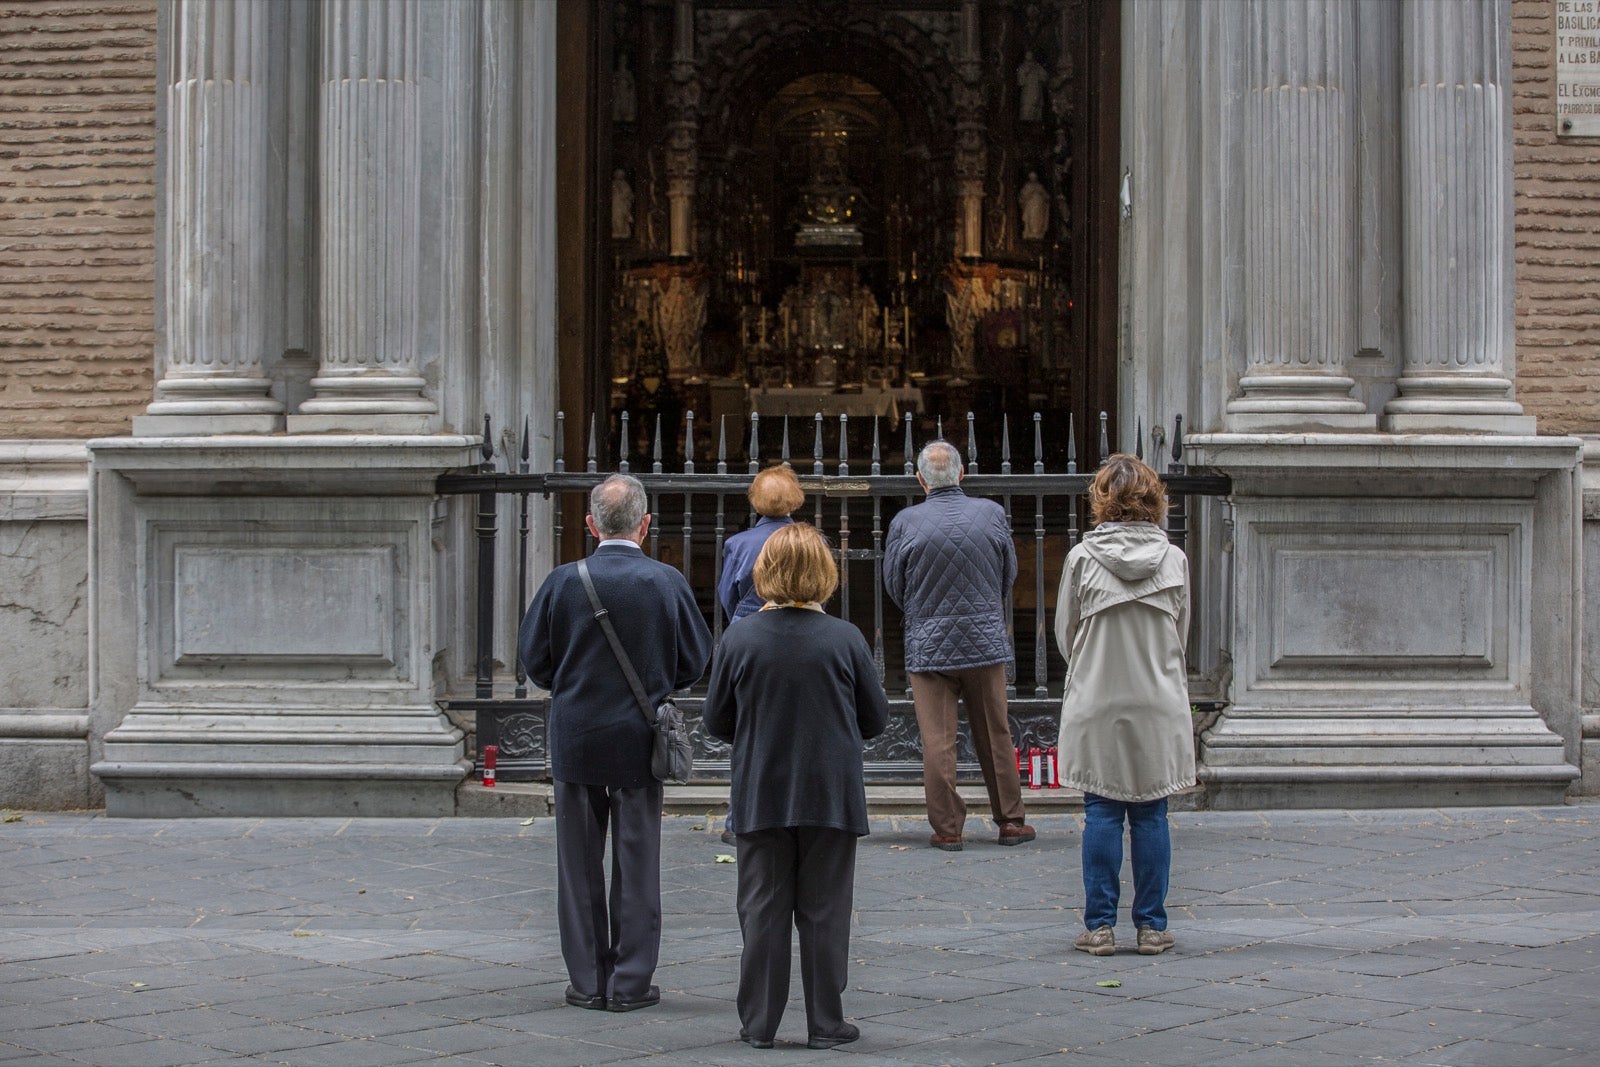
{"x": 491, "y": 756}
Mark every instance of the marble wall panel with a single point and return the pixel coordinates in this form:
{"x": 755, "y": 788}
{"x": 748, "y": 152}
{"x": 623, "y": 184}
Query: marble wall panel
{"x": 44, "y": 614}
{"x": 1379, "y": 603}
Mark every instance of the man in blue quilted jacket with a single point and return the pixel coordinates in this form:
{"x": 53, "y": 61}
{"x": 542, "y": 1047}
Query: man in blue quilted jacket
{"x": 948, "y": 563}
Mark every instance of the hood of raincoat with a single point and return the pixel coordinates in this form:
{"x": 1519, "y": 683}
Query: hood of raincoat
{"x": 1139, "y": 563}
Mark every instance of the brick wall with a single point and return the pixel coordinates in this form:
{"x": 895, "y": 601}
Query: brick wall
{"x": 77, "y": 240}
{"x": 1558, "y": 239}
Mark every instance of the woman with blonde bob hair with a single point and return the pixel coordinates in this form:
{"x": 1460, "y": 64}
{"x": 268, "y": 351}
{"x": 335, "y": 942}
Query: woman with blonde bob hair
{"x": 1122, "y": 620}
{"x": 795, "y": 692}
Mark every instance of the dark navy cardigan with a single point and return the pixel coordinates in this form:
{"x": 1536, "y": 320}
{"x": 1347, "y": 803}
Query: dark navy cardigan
{"x": 795, "y": 692}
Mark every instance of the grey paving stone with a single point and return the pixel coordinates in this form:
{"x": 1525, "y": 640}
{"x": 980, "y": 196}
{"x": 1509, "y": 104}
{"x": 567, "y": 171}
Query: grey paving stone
{"x": 263, "y": 1038}
{"x": 157, "y": 1053}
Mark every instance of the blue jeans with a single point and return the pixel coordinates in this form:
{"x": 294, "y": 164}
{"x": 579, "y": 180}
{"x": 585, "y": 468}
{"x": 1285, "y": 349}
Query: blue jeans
{"x": 1102, "y": 860}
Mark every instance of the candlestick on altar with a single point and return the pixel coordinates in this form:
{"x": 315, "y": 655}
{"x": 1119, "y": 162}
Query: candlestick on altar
{"x": 905, "y": 315}
{"x": 761, "y": 341}
{"x": 885, "y": 327}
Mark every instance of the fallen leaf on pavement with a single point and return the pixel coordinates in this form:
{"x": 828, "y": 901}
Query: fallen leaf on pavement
{"x": 1110, "y": 983}
{"x": 723, "y": 857}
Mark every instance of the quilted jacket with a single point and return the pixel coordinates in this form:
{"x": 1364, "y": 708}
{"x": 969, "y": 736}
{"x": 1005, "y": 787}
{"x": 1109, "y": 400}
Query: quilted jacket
{"x": 948, "y": 563}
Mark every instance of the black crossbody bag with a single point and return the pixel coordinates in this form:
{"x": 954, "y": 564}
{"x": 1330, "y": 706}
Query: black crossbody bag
{"x": 672, "y": 755}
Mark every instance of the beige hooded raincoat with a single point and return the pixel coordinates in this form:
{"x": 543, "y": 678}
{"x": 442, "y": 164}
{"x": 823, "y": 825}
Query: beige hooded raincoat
{"x": 1122, "y": 618}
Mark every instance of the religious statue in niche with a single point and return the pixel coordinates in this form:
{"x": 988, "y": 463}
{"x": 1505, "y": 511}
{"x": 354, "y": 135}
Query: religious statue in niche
{"x": 623, "y": 93}
{"x": 1031, "y": 79}
{"x": 1035, "y": 203}
{"x": 621, "y": 207}
{"x": 830, "y": 206}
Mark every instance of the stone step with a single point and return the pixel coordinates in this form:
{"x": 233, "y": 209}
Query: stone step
{"x": 524, "y": 799}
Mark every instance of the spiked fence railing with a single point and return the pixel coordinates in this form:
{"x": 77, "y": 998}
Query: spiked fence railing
{"x": 1048, "y": 505}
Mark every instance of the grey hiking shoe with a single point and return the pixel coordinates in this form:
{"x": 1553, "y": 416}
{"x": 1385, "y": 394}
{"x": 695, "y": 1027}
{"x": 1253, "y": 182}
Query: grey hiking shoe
{"x": 1153, "y": 942}
{"x": 1097, "y": 942}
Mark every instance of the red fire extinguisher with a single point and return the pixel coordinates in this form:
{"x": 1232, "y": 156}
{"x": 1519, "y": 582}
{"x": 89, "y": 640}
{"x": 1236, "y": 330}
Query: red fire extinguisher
{"x": 491, "y": 755}
{"x": 1035, "y": 767}
{"x": 1052, "y": 767}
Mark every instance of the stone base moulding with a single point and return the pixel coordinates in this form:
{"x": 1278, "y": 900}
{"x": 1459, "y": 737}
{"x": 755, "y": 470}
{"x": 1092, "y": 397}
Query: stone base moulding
{"x": 1405, "y": 614}
{"x": 187, "y": 790}
{"x": 263, "y": 612}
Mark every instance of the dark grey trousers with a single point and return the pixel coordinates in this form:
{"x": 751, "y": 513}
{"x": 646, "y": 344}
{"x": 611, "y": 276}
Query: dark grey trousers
{"x": 798, "y": 877}
{"x": 610, "y": 944}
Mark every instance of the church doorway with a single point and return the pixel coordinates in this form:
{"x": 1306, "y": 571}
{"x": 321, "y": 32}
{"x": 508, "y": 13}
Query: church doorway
{"x": 861, "y": 208}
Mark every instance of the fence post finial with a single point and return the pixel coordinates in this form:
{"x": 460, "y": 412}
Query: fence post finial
{"x": 1038, "y": 442}
{"x": 655, "y": 454}
{"x": 1005, "y": 444}
{"x": 624, "y": 447}
{"x": 911, "y": 457}
{"x": 755, "y": 442}
{"x": 561, "y": 442}
{"x": 688, "y": 442}
{"x": 816, "y": 447}
{"x": 591, "y": 465}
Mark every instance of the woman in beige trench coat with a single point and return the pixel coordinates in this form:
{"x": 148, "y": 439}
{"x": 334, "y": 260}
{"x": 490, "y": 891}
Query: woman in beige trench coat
{"x": 1122, "y": 618}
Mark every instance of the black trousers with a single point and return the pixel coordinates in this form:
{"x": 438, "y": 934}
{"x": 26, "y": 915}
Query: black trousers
{"x": 796, "y": 877}
{"x": 610, "y": 942}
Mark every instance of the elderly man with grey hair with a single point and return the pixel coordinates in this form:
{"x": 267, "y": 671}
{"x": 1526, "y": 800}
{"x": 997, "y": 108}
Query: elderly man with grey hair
{"x": 599, "y": 743}
{"x": 948, "y": 563}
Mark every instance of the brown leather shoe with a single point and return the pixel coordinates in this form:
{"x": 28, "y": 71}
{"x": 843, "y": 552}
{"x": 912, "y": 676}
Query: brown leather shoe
{"x": 1016, "y": 835}
{"x": 945, "y": 843}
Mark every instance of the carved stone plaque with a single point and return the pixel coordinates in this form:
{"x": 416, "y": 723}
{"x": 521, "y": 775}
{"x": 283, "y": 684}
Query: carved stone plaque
{"x": 1578, "y": 68}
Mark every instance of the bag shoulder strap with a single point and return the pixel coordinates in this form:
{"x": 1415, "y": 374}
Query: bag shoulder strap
{"x": 603, "y": 617}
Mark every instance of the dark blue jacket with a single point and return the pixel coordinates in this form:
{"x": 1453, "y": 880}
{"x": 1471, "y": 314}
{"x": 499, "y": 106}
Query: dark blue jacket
{"x": 598, "y": 736}
{"x": 948, "y": 563}
{"x": 737, "y": 587}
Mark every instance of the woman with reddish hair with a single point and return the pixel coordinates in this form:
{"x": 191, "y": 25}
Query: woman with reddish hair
{"x": 1122, "y": 620}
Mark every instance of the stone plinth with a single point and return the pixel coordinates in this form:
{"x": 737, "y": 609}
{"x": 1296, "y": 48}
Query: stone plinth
{"x": 1404, "y": 611}
{"x": 44, "y": 626}
{"x": 264, "y": 626}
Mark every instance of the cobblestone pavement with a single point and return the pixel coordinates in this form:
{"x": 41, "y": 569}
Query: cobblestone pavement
{"x": 1462, "y": 936}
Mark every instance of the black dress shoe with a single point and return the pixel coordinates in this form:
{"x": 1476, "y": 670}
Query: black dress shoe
{"x": 848, "y": 1033}
{"x": 651, "y": 998}
{"x": 578, "y": 1000}
{"x": 754, "y": 1042}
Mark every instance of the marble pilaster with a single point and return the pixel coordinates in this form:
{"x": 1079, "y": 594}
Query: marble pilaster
{"x": 369, "y": 376}
{"x": 1299, "y": 249}
{"x": 216, "y": 287}
{"x": 1455, "y": 148}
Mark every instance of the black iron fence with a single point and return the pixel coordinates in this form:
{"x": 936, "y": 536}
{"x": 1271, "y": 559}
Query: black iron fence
{"x": 695, "y": 511}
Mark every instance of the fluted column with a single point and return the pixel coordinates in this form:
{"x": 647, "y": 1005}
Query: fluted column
{"x": 1455, "y": 152}
{"x": 1299, "y": 249}
{"x": 215, "y": 282}
{"x": 369, "y": 201}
